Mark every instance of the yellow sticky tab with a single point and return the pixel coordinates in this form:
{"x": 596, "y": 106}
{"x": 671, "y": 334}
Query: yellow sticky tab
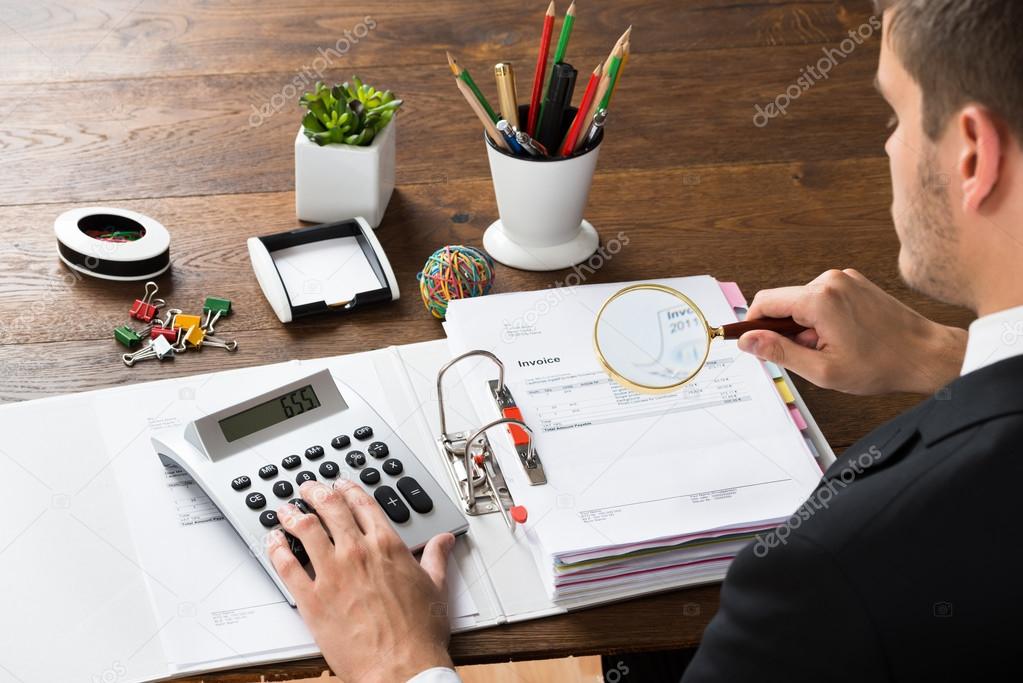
{"x": 784, "y": 390}
{"x": 185, "y": 321}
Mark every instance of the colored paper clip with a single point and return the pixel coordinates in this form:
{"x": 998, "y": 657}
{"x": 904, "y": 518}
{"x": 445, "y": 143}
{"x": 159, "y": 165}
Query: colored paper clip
{"x": 475, "y": 473}
{"x": 194, "y": 333}
{"x": 214, "y": 309}
{"x": 127, "y": 336}
{"x": 168, "y": 333}
{"x": 144, "y": 309}
{"x": 158, "y": 348}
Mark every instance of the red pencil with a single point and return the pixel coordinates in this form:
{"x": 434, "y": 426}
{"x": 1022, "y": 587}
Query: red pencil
{"x": 541, "y": 70}
{"x": 568, "y": 146}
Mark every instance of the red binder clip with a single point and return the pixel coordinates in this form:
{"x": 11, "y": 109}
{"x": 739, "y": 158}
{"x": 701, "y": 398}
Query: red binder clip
{"x": 169, "y": 334}
{"x": 144, "y": 309}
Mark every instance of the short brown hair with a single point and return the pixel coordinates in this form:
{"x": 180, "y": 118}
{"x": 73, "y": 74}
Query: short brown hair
{"x": 961, "y": 51}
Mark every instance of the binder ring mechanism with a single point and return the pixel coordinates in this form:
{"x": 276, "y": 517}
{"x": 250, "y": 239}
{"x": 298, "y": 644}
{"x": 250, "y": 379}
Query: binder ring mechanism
{"x": 475, "y": 473}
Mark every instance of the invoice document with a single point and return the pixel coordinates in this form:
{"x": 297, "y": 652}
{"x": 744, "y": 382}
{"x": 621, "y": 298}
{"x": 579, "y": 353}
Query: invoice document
{"x": 627, "y": 470}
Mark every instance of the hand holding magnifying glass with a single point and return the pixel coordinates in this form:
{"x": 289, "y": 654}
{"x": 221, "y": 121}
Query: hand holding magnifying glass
{"x": 654, "y": 339}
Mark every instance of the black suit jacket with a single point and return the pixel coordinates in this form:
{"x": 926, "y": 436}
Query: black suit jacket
{"x": 906, "y": 563}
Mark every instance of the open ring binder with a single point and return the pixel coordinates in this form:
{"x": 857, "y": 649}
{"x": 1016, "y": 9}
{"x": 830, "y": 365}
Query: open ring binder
{"x": 469, "y": 457}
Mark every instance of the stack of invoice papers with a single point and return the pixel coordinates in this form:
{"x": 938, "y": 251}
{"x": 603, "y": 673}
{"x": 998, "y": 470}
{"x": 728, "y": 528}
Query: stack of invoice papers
{"x": 643, "y": 491}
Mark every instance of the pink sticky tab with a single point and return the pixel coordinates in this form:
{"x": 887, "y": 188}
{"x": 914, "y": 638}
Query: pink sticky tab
{"x": 733, "y": 295}
{"x": 797, "y": 417}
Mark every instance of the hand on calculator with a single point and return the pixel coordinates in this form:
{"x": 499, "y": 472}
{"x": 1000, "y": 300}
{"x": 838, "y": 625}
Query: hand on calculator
{"x": 376, "y": 613}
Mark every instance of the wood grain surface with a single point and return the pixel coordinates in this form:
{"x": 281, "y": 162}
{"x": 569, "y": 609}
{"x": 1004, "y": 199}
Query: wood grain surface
{"x": 185, "y": 110}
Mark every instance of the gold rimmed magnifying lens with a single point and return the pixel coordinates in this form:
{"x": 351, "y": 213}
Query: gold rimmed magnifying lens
{"x": 654, "y": 339}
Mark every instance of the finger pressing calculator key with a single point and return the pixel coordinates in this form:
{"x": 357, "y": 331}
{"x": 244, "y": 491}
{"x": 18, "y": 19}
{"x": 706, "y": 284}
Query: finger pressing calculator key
{"x": 226, "y": 451}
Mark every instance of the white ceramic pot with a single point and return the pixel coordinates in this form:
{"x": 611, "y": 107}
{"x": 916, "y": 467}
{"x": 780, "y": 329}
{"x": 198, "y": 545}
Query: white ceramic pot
{"x": 338, "y": 182}
{"x": 541, "y": 204}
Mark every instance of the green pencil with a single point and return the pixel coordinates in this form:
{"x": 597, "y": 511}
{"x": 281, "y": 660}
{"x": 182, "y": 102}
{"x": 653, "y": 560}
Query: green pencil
{"x": 467, "y": 79}
{"x": 559, "y": 52}
{"x": 566, "y": 33}
{"x": 612, "y": 74}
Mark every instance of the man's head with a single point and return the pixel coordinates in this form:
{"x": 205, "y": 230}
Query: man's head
{"x": 952, "y": 71}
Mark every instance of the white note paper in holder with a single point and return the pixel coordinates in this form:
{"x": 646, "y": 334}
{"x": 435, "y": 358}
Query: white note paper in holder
{"x": 335, "y": 267}
{"x": 541, "y": 202}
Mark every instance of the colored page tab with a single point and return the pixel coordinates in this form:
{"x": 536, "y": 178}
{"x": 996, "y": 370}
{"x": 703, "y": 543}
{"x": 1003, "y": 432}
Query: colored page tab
{"x": 733, "y": 295}
{"x": 784, "y": 390}
{"x": 773, "y": 369}
{"x": 797, "y": 417}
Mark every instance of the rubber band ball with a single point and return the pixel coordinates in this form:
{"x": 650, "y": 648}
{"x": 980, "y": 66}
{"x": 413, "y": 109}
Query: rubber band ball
{"x": 454, "y": 272}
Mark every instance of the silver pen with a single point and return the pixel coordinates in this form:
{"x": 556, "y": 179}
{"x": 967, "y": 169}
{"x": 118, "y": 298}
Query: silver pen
{"x": 594, "y": 130}
{"x": 532, "y": 147}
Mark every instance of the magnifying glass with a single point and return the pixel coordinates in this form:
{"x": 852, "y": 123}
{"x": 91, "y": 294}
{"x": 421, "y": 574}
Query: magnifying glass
{"x": 653, "y": 339}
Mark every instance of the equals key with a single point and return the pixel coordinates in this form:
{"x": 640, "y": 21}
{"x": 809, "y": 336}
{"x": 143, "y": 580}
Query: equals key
{"x": 417, "y": 498}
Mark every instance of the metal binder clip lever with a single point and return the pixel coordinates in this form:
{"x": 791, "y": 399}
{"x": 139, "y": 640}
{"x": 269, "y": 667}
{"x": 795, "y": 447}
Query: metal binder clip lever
{"x": 474, "y": 471}
{"x": 485, "y": 461}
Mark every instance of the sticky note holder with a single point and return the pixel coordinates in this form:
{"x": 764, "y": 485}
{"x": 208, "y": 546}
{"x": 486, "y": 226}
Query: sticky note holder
{"x": 334, "y": 267}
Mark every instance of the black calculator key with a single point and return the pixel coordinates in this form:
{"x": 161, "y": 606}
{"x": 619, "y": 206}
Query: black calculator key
{"x": 393, "y": 466}
{"x": 302, "y": 506}
{"x": 268, "y": 471}
{"x": 378, "y": 449}
{"x": 241, "y": 483}
{"x": 329, "y": 469}
{"x": 268, "y": 518}
{"x": 314, "y": 452}
{"x": 415, "y": 495}
{"x": 283, "y": 489}
{"x": 355, "y": 458}
{"x": 297, "y": 549}
{"x": 291, "y": 462}
{"x": 391, "y": 503}
{"x": 363, "y": 433}
{"x": 340, "y": 441}
{"x": 304, "y": 476}
{"x": 369, "y": 476}
{"x": 255, "y": 500}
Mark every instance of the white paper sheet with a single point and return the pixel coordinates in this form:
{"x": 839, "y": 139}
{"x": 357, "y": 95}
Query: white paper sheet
{"x": 125, "y": 565}
{"x": 333, "y": 270}
{"x": 224, "y": 605}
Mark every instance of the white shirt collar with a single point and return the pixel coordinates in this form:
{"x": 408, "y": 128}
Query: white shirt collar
{"x": 994, "y": 338}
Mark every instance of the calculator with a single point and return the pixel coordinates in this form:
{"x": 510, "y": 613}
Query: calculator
{"x": 252, "y": 457}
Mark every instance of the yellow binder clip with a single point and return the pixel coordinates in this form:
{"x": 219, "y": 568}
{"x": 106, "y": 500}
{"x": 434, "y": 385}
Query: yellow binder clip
{"x": 193, "y": 324}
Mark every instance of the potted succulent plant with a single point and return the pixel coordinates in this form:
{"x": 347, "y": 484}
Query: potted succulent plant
{"x": 344, "y": 153}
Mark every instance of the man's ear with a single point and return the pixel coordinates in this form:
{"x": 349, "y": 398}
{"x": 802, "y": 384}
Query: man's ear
{"x": 980, "y": 164}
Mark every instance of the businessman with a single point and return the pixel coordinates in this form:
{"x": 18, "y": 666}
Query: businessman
{"x": 905, "y": 563}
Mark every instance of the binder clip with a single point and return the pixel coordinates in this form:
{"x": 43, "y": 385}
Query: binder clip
{"x": 469, "y": 457}
{"x": 194, "y": 332}
{"x": 158, "y": 348}
{"x": 161, "y": 327}
{"x": 214, "y": 308}
{"x": 127, "y": 336}
{"x": 144, "y": 309}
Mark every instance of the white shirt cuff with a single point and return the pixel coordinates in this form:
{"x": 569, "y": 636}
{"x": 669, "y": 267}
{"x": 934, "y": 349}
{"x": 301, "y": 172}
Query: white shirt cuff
{"x": 438, "y": 674}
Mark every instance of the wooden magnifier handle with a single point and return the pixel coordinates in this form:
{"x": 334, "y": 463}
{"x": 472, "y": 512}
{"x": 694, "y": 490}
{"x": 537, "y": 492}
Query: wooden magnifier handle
{"x": 784, "y": 326}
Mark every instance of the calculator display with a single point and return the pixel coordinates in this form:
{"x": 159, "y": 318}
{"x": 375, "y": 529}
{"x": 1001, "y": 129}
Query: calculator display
{"x": 269, "y": 413}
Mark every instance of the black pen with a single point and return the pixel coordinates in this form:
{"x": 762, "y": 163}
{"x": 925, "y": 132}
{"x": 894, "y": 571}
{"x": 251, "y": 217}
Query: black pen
{"x": 559, "y": 95}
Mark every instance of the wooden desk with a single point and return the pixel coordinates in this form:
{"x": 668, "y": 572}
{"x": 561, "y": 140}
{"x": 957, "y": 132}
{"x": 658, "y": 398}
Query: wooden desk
{"x": 150, "y": 106}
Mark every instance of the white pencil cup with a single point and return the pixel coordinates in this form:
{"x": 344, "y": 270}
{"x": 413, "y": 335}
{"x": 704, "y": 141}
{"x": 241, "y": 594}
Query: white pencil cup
{"x": 541, "y": 202}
